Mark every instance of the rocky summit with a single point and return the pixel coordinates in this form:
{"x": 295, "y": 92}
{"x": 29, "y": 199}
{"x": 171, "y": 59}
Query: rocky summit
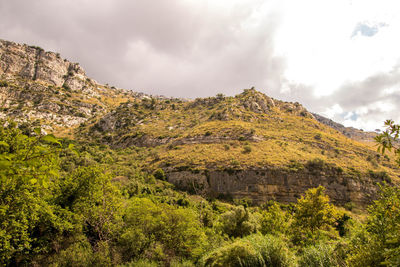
{"x": 244, "y": 146}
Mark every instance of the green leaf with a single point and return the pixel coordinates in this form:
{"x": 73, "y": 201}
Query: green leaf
{"x": 2, "y": 143}
{"x": 73, "y": 150}
{"x": 37, "y": 131}
{"x": 45, "y": 184}
{"x": 53, "y": 172}
{"x": 33, "y": 181}
{"x": 51, "y": 139}
{"x": 4, "y": 164}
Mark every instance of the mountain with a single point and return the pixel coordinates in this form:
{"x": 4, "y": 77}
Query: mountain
{"x": 244, "y": 146}
{"x": 43, "y": 88}
{"x": 350, "y": 132}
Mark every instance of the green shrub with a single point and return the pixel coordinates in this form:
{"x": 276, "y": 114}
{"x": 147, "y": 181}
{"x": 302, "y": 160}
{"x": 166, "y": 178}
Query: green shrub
{"x": 160, "y": 231}
{"x": 159, "y": 174}
{"x": 316, "y": 164}
{"x": 238, "y": 222}
{"x": 318, "y": 136}
{"x": 274, "y": 220}
{"x": 78, "y": 254}
{"x": 141, "y": 263}
{"x": 253, "y": 251}
{"x": 321, "y": 255}
{"x": 246, "y": 149}
{"x": 181, "y": 263}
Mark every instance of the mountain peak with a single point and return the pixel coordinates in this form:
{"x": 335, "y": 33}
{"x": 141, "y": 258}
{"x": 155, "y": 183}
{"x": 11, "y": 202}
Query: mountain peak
{"x": 33, "y": 63}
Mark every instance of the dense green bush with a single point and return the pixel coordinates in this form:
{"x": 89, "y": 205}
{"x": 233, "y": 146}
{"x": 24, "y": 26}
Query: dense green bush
{"x": 321, "y": 255}
{"x": 238, "y": 222}
{"x": 254, "y": 250}
{"x": 160, "y": 231}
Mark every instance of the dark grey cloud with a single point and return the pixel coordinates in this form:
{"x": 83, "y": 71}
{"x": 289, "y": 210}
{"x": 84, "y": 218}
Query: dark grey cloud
{"x": 187, "y": 48}
{"x": 176, "y": 47}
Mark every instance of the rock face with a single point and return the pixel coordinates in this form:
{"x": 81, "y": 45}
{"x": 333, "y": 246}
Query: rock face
{"x": 261, "y": 185}
{"x": 35, "y": 64}
{"x": 40, "y": 86}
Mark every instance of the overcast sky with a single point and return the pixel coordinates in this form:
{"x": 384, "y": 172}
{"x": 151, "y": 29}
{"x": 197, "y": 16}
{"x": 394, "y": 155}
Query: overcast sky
{"x": 338, "y": 58}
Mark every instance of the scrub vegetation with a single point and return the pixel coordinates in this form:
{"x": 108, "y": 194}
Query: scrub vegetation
{"x": 74, "y": 203}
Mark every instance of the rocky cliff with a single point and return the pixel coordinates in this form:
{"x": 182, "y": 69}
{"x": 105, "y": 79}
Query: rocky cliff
{"x": 283, "y": 185}
{"x": 40, "y": 86}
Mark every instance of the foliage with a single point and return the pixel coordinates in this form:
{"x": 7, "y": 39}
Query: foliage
{"x": 379, "y": 241}
{"x": 160, "y": 231}
{"x": 254, "y": 250}
{"x": 28, "y": 173}
{"x": 238, "y": 222}
{"x": 69, "y": 203}
{"x": 314, "y": 216}
{"x": 321, "y": 255}
{"x": 389, "y": 139}
{"x": 275, "y": 220}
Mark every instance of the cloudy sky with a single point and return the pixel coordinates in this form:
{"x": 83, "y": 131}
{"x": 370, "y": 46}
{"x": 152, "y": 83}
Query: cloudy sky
{"x": 338, "y": 58}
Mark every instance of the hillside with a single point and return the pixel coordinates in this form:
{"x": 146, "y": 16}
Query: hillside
{"x": 243, "y": 146}
{"x": 249, "y": 145}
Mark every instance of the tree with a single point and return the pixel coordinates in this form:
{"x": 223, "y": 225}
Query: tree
{"x": 28, "y": 171}
{"x": 314, "y": 216}
{"x": 388, "y": 139}
{"x": 275, "y": 220}
{"x": 378, "y": 243}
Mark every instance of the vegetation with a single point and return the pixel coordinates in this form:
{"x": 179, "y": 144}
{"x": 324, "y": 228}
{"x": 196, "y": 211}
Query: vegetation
{"x": 98, "y": 193}
{"x": 65, "y": 203}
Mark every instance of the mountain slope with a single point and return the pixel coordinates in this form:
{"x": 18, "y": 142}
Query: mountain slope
{"x": 41, "y": 86}
{"x": 243, "y": 146}
{"x": 249, "y": 145}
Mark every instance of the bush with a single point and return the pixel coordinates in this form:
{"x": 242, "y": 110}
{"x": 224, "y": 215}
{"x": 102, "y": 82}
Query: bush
{"x": 78, "y": 254}
{"x": 208, "y": 133}
{"x": 247, "y": 149}
{"x": 160, "y": 231}
{"x": 318, "y": 256}
{"x": 141, "y": 263}
{"x": 274, "y": 220}
{"x": 316, "y": 164}
{"x": 318, "y": 136}
{"x": 255, "y": 250}
{"x": 159, "y": 174}
{"x": 238, "y": 222}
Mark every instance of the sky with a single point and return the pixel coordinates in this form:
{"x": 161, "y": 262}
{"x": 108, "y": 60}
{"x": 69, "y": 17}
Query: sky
{"x": 339, "y": 58}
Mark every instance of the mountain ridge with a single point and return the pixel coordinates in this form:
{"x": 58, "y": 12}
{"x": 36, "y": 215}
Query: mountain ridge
{"x": 263, "y": 148}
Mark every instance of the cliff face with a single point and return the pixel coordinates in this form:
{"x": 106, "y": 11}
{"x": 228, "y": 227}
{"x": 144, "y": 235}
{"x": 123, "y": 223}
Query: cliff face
{"x": 41, "y": 87}
{"x": 33, "y": 63}
{"x": 261, "y": 185}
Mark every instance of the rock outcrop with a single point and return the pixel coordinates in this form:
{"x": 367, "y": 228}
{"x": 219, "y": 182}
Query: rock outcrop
{"x": 261, "y": 185}
{"x": 33, "y": 63}
{"x": 39, "y": 86}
